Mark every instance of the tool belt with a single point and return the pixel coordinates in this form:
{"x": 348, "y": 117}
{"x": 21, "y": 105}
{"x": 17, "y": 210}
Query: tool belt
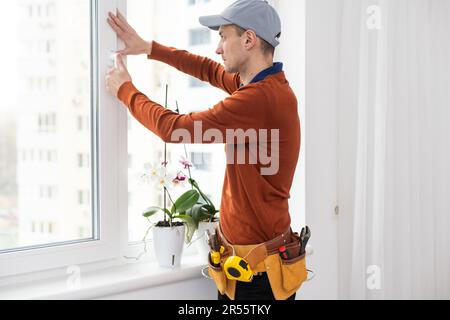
{"x": 286, "y": 275}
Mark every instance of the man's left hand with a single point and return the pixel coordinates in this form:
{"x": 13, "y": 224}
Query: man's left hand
{"x": 116, "y": 77}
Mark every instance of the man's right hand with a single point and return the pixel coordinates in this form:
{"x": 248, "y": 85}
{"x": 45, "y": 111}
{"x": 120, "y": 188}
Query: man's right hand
{"x": 134, "y": 44}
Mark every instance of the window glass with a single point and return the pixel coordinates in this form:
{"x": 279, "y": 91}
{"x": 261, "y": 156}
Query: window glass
{"x": 45, "y": 142}
{"x": 167, "y": 23}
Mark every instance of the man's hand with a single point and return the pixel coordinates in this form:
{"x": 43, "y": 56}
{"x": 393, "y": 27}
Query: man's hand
{"x": 135, "y": 45}
{"x": 117, "y": 77}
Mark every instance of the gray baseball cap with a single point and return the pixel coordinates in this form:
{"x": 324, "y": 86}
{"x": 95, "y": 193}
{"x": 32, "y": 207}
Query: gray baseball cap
{"x": 256, "y": 15}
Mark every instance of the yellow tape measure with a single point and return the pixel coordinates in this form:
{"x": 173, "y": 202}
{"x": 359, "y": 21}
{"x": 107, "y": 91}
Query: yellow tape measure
{"x": 236, "y": 268}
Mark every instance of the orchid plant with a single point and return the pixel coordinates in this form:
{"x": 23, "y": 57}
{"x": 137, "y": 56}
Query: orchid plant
{"x": 191, "y": 207}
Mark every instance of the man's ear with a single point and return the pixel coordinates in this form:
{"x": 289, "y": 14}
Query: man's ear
{"x": 250, "y": 39}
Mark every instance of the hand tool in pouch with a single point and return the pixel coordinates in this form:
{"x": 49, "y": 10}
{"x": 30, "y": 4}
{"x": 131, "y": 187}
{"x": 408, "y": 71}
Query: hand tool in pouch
{"x": 304, "y": 237}
{"x": 216, "y": 248}
{"x": 235, "y": 267}
{"x": 284, "y": 254}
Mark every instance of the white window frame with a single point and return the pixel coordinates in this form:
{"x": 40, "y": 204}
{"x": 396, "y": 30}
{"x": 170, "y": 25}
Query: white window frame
{"x": 110, "y": 164}
{"x": 293, "y": 54}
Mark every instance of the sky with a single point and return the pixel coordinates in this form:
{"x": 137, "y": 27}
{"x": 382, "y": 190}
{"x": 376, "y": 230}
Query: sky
{"x": 8, "y": 52}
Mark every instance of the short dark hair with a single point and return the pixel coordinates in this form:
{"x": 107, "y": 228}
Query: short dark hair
{"x": 266, "y": 47}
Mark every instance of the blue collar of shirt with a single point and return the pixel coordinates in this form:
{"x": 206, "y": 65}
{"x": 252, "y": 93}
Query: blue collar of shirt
{"x": 276, "y": 68}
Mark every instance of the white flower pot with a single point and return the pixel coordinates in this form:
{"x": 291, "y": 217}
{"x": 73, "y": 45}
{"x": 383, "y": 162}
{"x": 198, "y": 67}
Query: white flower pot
{"x": 168, "y": 244}
{"x": 202, "y": 241}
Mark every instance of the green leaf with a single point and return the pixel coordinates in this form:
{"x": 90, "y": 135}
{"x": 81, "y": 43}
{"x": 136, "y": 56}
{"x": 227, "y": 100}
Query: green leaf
{"x": 186, "y": 201}
{"x": 190, "y": 226}
{"x": 167, "y": 211}
{"x": 149, "y": 212}
{"x": 198, "y": 213}
{"x": 211, "y": 210}
{"x": 152, "y": 211}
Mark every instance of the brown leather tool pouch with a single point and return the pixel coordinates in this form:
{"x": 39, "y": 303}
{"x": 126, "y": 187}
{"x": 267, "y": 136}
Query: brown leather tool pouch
{"x": 286, "y": 276}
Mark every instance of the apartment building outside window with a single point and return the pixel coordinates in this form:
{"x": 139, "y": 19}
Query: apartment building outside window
{"x": 195, "y": 83}
{"x": 197, "y": 2}
{"x": 200, "y": 36}
{"x": 83, "y": 197}
{"x": 83, "y": 160}
{"x": 201, "y": 160}
{"x": 46, "y": 122}
{"x": 82, "y": 122}
{"x": 49, "y": 56}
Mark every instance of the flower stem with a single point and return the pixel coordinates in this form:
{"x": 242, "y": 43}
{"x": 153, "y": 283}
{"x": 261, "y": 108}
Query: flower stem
{"x": 185, "y": 149}
{"x": 193, "y": 183}
{"x": 170, "y": 198}
{"x": 165, "y": 162}
{"x": 189, "y": 168}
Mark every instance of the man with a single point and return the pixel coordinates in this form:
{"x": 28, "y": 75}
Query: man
{"x": 254, "y": 207}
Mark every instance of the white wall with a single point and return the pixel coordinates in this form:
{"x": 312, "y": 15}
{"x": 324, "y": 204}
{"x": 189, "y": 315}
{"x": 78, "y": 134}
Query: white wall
{"x": 321, "y": 140}
{"x": 291, "y": 52}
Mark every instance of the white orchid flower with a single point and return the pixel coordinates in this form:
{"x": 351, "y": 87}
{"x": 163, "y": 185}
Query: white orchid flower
{"x": 163, "y": 182}
{"x": 153, "y": 172}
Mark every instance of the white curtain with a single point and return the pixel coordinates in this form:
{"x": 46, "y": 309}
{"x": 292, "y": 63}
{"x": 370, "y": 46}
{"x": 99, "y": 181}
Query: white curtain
{"x": 394, "y": 149}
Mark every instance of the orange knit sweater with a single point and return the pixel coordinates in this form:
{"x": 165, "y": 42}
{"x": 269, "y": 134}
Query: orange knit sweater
{"x": 254, "y": 207}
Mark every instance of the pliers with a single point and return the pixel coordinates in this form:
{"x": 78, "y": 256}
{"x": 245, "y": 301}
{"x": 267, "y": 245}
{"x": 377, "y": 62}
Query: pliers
{"x": 304, "y": 237}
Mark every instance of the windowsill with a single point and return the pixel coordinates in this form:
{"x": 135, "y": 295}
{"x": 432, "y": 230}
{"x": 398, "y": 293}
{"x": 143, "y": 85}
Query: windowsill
{"x": 104, "y": 282}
